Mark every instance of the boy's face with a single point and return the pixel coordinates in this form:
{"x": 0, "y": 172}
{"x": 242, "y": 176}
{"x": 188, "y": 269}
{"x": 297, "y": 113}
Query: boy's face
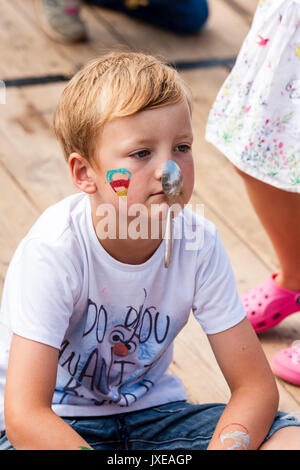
{"x": 141, "y": 144}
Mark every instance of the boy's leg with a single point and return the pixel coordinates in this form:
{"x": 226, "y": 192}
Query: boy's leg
{"x": 4, "y": 442}
{"x": 177, "y": 425}
{"x": 187, "y": 426}
{"x": 179, "y": 16}
{"x": 285, "y": 439}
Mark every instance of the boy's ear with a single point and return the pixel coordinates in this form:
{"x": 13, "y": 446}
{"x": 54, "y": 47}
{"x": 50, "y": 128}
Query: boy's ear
{"x": 82, "y": 173}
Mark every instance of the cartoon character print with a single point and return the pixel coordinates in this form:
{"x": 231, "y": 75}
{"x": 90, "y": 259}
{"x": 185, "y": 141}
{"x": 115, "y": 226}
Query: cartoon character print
{"x": 117, "y": 357}
{"x": 106, "y": 367}
{"x": 122, "y": 343}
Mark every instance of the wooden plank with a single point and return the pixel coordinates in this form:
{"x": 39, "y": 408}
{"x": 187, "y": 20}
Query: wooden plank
{"x": 16, "y": 217}
{"x": 218, "y": 38}
{"x": 17, "y": 212}
{"x": 22, "y": 48}
{"x": 245, "y": 9}
{"x": 109, "y": 30}
{"x": 23, "y": 44}
{"x": 101, "y": 38}
{"x": 30, "y": 151}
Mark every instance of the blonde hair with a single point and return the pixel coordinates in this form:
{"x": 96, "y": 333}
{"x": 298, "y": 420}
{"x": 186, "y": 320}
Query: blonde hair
{"x": 113, "y": 86}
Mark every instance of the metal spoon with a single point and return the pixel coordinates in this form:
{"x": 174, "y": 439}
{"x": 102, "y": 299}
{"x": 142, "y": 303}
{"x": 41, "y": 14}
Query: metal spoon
{"x": 171, "y": 180}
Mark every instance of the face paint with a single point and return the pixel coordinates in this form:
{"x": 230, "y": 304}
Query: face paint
{"x": 238, "y": 437}
{"x": 119, "y": 180}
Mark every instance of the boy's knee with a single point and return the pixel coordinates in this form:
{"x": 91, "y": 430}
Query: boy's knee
{"x": 189, "y": 17}
{"x": 287, "y": 438}
{"x": 180, "y": 16}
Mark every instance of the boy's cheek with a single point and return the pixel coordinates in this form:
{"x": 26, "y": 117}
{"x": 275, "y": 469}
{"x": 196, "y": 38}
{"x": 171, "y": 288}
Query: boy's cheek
{"x": 159, "y": 211}
{"x": 136, "y": 189}
{"x": 189, "y": 181}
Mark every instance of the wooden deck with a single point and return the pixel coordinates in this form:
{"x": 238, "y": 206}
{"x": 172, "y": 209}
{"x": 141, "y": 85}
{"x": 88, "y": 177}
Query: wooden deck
{"x": 33, "y": 174}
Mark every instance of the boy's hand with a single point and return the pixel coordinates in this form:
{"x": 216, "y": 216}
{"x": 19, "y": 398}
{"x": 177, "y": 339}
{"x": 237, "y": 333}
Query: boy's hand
{"x": 30, "y": 421}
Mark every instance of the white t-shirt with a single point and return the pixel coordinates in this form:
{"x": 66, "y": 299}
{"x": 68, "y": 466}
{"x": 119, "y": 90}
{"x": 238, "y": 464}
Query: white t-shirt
{"x": 114, "y": 323}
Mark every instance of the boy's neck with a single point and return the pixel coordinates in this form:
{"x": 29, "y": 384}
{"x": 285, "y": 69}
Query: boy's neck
{"x": 127, "y": 250}
{"x": 130, "y": 251}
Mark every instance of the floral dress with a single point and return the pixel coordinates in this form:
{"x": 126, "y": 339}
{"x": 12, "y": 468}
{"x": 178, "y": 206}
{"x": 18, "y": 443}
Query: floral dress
{"x": 255, "y": 119}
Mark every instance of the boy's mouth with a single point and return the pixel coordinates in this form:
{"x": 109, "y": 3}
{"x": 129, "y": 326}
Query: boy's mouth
{"x": 163, "y": 194}
{"x": 156, "y": 194}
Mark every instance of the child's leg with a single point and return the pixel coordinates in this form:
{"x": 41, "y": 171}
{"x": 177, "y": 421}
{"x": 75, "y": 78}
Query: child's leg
{"x": 179, "y": 16}
{"x": 279, "y": 213}
{"x": 60, "y": 19}
{"x": 287, "y": 438}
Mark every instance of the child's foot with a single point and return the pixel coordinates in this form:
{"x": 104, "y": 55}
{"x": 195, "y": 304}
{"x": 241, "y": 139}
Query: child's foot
{"x": 269, "y": 303}
{"x": 286, "y": 364}
{"x": 60, "y": 20}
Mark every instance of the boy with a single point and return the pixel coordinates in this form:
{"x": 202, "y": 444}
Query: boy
{"x": 88, "y": 321}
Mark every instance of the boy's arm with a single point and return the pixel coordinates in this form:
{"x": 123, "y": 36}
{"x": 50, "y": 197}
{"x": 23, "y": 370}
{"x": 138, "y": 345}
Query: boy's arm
{"x": 249, "y": 414}
{"x": 30, "y": 422}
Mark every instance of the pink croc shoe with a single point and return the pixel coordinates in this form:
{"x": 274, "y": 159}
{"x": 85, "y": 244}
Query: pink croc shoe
{"x": 268, "y": 304}
{"x": 286, "y": 364}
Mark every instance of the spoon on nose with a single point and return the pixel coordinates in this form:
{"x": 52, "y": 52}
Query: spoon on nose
{"x": 171, "y": 180}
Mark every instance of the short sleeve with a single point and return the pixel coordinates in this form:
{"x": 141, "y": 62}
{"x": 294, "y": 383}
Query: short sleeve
{"x": 217, "y": 305}
{"x": 40, "y": 290}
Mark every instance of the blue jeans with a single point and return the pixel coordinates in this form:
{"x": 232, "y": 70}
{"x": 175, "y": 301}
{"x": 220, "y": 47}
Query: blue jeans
{"x": 179, "y": 16}
{"x": 173, "y": 426}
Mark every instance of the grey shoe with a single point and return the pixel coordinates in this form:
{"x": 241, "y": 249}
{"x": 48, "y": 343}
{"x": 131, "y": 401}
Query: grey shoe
{"x": 60, "y": 20}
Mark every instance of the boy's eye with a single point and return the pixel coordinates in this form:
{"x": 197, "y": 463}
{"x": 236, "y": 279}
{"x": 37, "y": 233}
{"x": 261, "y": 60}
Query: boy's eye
{"x": 141, "y": 154}
{"x": 183, "y": 148}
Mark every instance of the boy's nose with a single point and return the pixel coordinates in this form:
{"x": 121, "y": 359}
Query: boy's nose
{"x": 158, "y": 173}
{"x": 159, "y": 169}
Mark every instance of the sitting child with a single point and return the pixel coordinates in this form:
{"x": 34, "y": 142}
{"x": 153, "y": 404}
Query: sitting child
{"x": 87, "y": 321}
